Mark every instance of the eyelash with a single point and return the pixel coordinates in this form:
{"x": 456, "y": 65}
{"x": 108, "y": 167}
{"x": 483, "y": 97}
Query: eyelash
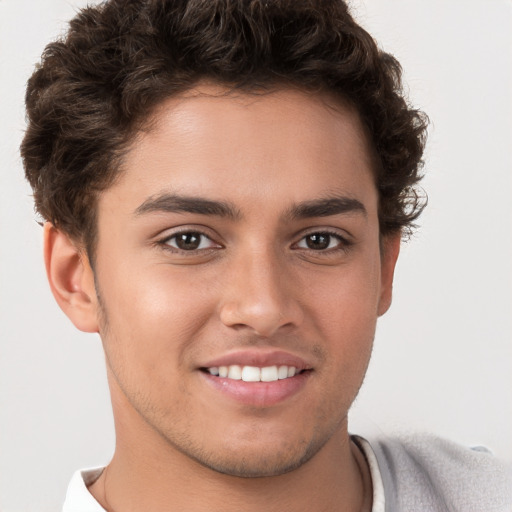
{"x": 343, "y": 243}
{"x": 165, "y": 242}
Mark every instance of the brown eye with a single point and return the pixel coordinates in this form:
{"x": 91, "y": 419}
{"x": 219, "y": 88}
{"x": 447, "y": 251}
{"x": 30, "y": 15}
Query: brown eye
{"x": 319, "y": 241}
{"x": 190, "y": 241}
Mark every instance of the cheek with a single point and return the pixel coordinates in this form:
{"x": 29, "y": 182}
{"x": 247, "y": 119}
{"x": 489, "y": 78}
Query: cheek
{"x": 347, "y": 299}
{"x": 153, "y": 315}
{"x": 344, "y": 309}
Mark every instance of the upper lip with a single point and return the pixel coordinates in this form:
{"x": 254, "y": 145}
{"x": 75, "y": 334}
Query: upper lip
{"x": 260, "y": 358}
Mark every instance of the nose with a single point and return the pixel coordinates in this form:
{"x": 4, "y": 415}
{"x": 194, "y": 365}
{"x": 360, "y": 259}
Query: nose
{"x": 258, "y": 295}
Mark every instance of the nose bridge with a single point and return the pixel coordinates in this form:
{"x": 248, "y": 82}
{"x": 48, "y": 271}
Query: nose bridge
{"x": 258, "y": 293}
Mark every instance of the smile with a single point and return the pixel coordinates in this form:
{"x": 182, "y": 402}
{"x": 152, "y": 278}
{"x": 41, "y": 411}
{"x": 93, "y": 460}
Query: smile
{"x": 262, "y": 377}
{"x": 254, "y": 373}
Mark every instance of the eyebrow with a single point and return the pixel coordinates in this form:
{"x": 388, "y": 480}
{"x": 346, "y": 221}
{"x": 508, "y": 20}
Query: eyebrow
{"x": 326, "y": 207}
{"x": 173, "y": 203}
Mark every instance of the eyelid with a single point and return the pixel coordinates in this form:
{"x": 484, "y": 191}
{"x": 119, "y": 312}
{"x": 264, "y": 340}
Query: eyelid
{"x": 163, "y": 239}
{"x": 336, "y": 232}
{"x": 345, "y": 239}
{"x": 201, "y": 235}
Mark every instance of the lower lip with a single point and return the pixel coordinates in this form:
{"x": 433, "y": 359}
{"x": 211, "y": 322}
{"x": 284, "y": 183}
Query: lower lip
{"x": 259, "y": 394}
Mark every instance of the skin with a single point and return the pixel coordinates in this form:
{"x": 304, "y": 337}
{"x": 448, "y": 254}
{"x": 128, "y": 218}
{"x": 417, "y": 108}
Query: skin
{"x": 253, "y": 284}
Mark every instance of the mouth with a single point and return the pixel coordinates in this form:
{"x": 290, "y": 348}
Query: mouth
{"x": 261, "y": 378}
{"x": 254, "y": 373}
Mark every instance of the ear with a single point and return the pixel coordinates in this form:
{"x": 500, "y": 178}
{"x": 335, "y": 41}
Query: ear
{"x": 71, "y": 279}
{"x": 390, "y": 248}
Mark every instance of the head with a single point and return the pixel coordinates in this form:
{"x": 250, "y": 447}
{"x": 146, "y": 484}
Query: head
{"x": 226, "y": 184}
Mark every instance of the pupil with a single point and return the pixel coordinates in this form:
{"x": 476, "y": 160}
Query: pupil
{"x": 188, "y": 241}
{"x": 318, "y": 241}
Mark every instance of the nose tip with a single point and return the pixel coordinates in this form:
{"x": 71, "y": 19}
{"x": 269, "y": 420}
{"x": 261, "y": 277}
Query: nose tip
{"x": 259, "y": 297}
{"x": 263, "y": 319}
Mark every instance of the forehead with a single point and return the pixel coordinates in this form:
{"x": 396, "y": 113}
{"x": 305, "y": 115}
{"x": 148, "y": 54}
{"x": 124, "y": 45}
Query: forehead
{"x": 283, "y": 146}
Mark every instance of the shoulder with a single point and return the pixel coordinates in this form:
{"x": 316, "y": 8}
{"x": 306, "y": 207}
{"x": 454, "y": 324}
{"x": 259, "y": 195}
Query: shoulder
{"x": 428, "y": 473}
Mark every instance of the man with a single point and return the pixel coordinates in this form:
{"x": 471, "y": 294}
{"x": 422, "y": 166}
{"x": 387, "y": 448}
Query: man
{"x": 225, "y": 186}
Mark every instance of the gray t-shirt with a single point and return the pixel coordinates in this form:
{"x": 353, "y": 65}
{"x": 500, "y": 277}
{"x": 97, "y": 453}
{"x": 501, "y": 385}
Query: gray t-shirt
{"x": 425, "y": 473}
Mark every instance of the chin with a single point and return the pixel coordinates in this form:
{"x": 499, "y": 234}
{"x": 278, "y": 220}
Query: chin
{"x": 248, "y": 467}
{"x": 259, "y": 462}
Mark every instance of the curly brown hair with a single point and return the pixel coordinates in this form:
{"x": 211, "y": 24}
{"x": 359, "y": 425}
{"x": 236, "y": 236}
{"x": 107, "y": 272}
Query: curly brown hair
{"x": 95, "y": 88}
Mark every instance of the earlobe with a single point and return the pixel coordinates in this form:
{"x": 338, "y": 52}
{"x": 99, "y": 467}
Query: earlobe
{"x": 389, "y": 255}
{"x": 71, "y": 279}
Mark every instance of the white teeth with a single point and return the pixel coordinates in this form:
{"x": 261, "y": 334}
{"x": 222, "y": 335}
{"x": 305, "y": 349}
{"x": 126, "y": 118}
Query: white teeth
{"x": 251, "y": 374}
{"x": 269, "y": 374}
{"x": 282, "y": 373}
{"x": 235, "y": 372}
{"x": 254, "y": 373}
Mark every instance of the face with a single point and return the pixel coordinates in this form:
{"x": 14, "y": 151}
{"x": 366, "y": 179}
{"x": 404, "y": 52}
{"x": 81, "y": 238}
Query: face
{"x": 239, "y": 277}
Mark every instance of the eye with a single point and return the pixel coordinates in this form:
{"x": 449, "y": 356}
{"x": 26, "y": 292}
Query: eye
{"x": 321, "y": 241}
{"x": 190, "y": 241}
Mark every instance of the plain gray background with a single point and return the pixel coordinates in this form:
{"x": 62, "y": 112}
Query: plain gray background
{"x": 443, "y": 354}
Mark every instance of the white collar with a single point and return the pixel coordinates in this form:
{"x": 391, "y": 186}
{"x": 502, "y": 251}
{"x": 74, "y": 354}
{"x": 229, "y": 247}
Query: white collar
{"x": 78, "y": 497}
{"x": 379, "y": 501}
